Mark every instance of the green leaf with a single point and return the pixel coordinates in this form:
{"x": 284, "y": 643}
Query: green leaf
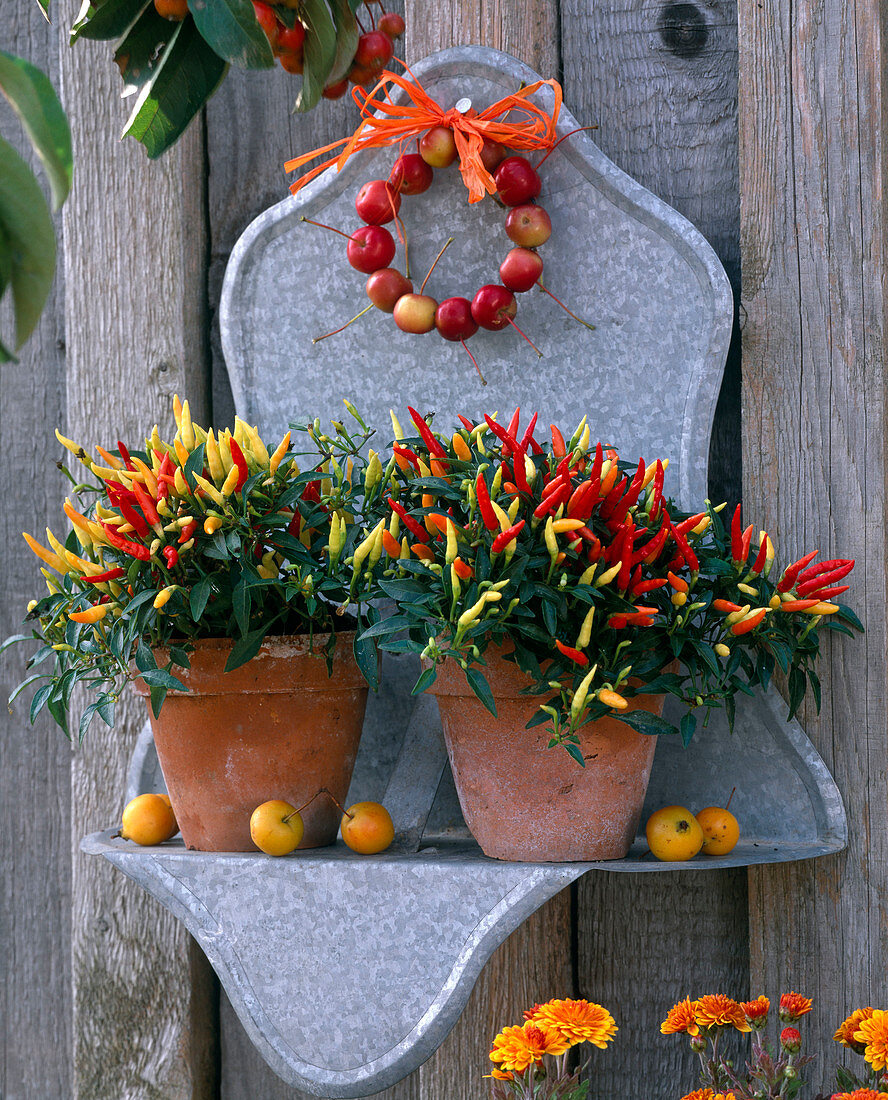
{"x": 159, "y": 677}
{"x": 17, "y": 691}
{"x": 59, "y": 715}
{"x": 386, "y": 626}
{"x": 346, "y": 45}
{"x": 425, "y": 681}
{"x": 644, "y": 722}
{"x": 707, "y": 654}
{"x": 481, "y": 688}
{"x": 796, "y": 689}
{"x": 574, "y": 751}
{"x": 246, "y": 648}
{"x": 12, "y": 639}
{"x": 34, "y": 100}
{"x": 88, "y": 714}
{"x": 199, "y": 596}
{"x": 141, "y": 48}
{"x": 44, "y": 7}
{"x": 41, "y": 698}
{"x": 368, "y": 662}
{"x": 28, "y": 239}
{"x": 848, "y": 616}
{"x": 107, "y": 20}
{"x": 687, "y": 726}
{"x": 232, "y": 30}
{"x": 157, "y": 694}
{"x": 240, "y": 603}
{"x": 187, "y": 75}
{"x": 144, "y": 658}
{"x": 319, "y": 52}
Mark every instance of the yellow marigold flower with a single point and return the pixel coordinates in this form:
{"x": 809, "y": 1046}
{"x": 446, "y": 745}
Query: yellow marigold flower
{"x": 680, "y": 1018}
{"x": 793, "y": 1006}
{"x": 719, "y": 1010}
{"x": 845, "y": 1033}
{"x": 873, "y": 1033}
{"x": 577, "y": 1021}
{"x": 756, "y": 1010}
{"x": 516, "y": 1048}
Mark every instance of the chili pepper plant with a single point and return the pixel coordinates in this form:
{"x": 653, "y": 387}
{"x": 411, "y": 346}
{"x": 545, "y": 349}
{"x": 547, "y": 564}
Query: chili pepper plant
{"x": 602, "y": 586}
{"x": 207, "y": 536}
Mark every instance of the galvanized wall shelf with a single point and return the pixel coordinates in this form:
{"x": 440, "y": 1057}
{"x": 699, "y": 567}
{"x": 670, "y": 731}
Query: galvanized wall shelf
{"x": 407, "y": 933}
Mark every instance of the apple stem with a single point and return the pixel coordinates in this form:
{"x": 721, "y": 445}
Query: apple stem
{"x": 475, "y": 361}
{"x": 729, "y": 800}
{"x": 402, "y": 237}
{"x": 526, "y": 337}
{"x": 578, "y": 130}
{"x": 336, "y": 802}
{"x": 322, "y": 226}
{"x": 317, "y": 339}
{"x": 563, "y": 306}
{"x": 438, "y": 257}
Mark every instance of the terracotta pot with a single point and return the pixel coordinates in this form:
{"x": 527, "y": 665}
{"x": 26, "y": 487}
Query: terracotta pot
{"x": 525, "y": 801}
{"x": 277, "y": 727}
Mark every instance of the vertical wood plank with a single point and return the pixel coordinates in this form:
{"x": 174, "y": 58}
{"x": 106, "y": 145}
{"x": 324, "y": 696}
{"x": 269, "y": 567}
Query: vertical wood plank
{"x": 661, "y": 86}
{"x": 35, "y": 973}
{"x": 135, "y": 273}
{"x": 812, "y": 170}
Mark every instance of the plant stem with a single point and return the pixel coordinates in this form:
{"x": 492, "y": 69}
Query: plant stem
{"x": 438, "y": 257}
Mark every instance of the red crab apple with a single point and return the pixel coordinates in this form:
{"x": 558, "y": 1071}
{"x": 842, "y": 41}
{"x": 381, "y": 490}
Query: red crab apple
{"x": 292, "y": 39}
{"x": 391, "y": 23}
{"x": 521, "y": 269}
{"x": 528, "y": 225}
{"x": 337, "y": 90}
{"x": 415, "y": 313}
{"x": 374, "y": 51}
{"x": 517, "y": 181}
{"x": 267, "y": 20}
{"x": 377, "y": 202}
{"x": 386, "y": 286}
{"x": 492, "y": 154}
{"x": 494, "y": 306}
{"x": 437, "y": 147}
{"x": 370, "y": 248}
{"x": 410, "y": 175}
{"x": 454, "y": 320}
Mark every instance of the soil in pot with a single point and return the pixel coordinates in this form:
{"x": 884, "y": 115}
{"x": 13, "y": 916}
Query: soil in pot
{"x": 277, "y": 727}
{"x": 524, "y": 801}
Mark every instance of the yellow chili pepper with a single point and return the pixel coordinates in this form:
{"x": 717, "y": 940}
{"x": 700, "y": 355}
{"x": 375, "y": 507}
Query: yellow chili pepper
{"x": 722, "y": 650}
{"x": 163, "y": 597}
{"x": 212, "y": 524}
{"x": 497, "y": 483}
{"x": 823, "y": 608}
{"x": 230, "y": 482}
{"x": 180, "y": 484}
{"x": 612, "y": 699}
{"x": 748, "y": 589}
{"x": 334, "y": 542}
{"x": 90, "y": 615}
{"x": 679, "y": 599}
{"x": 513, "y": 510}
{"x": 585, "y": 634}
{"x": 364, "y": 549}
{"x": 549, "y": 536}
{"x": 210, "y": 489}
{"x": 501, "y": 515}
{"x": 702, "y": 526}
{"x": 225, "y": 451}
{"x": 214, "y": 459}
{"x": 469, "y": 616}
{"x": 373, "y": 473}
{"x": 559, "y": 526}
{"x": 736, "y": 616}
{"x": 452, "y": 550}
{"x": 396, "y": 427}
{"x": 609, "y": 575}
{"x": 581, "y": 694}
{"x": 75, "y": 449}
{"x": 588, "y": 574}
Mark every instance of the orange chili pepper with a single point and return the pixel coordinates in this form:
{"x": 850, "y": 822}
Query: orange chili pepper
{"x": 750, "y": 623}
{"x": 391, "y": 545}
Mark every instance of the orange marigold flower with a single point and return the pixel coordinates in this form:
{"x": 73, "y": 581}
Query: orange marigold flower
{"x": 530, "y": 1013}
{"x": 708, "y": 1094}
{"x": 873, "y": 1033}
{"x": 793, "y": 1006}
{"x": 845, "y": 1033}
{"x": 577, "y": 1021}
{"x": 859, "y": 1094}
{"x": 718, "y": 1010}
{"x": 516, "y": 1048}
{"x": 680, "y": 1018}
{"x": 498, "y": 1075}
{"x": 757, "y": 1009}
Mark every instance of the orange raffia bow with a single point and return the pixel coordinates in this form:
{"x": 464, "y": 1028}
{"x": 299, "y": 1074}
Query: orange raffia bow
{"x": 396, "y": 122}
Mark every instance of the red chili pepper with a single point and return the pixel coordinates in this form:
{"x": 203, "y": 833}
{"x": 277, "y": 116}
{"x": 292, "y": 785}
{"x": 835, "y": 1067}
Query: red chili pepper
{"x": 687, "y": 553}
{"x": 745, "y": 625}
{"x": 146, "y": 503}
{"x": 519, "y": 469}
{"x": 792, "y": 571}
{"x": 312, "y": 493}
{"x": 171, "y": 554}
{"x": 514, "y": 422}
{"x": 690, "y": 523}
{"x": 798, "y": 605}
{"x": 761, "y": 557}
{"x": 612, "y": 499}
{"x": 559, "y": 447}
{"x": 487, "y": 513}
{"x": 409, "y": 456}
{"x": 502, "y": 435}
{"x": 631, "y": 495}
{"x": 597, "y": 463}
{"x": 295, "y": 524}
{"x": 527, "y": 439}
{"x": 132, "y": 516}
{"x": 467, "y": 424}
{"x": 651, "y": 549}
{"x": 237, "y": 457}
{"x": 642, "y": 617}
{"x": 824, "y": 579}
{"x": 831, "y": 566}
{"x": 464, "y": 571}
{"x": 409, "y": 522}
{"x": 745, "y": 543}
{"x": 573, "y": 654}
{"x": 111, "y": 575}
{"x": 736, "y": 536}
{"x": 125, "y": 455}
{"x": 659, "y": 477}
{"x": 647, "y": 586}
{"x": 626, "y": 556}
{"x": 503, "y": 539}
{"x": 134, "y": 549}
{"x": 725, "y": 605}
{"x": 434, "y": 447}
{"x": 187, "y": 531}
{"x": 830, "y": 593}
{"x": 579, "y": 499}
{"x": 165, "y": 476}
{"x": 550, "y": 502}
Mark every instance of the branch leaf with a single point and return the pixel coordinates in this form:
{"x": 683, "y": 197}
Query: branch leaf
{"x": 319, "y": 55}
{"x": 232, "y": 30}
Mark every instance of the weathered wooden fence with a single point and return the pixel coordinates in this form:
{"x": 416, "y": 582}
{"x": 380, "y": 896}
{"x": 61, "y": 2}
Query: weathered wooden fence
{"x": 104, "y": 996}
